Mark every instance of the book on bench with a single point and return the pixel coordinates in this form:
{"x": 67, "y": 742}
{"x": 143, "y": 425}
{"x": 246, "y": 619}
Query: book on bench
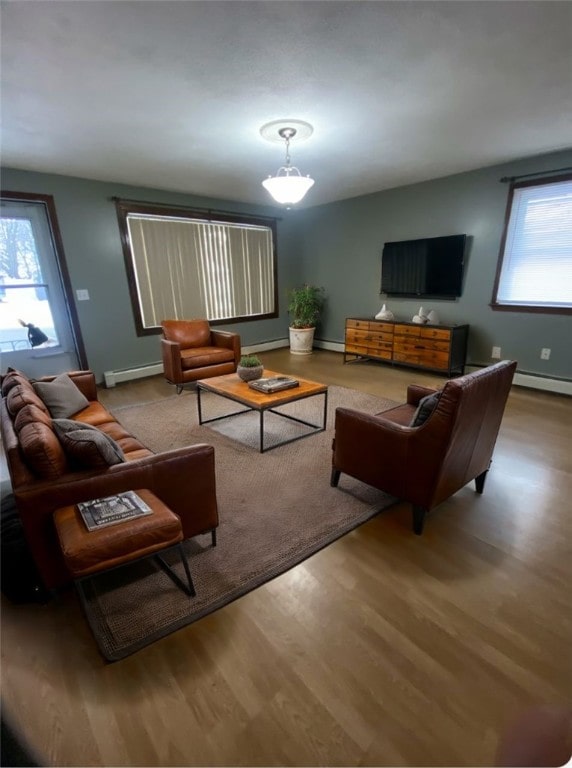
{"x": 273, "y": 384}
{"x": 110, "y": 510}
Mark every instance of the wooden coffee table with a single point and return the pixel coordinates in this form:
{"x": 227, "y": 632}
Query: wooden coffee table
{"x": 233, "y": 388}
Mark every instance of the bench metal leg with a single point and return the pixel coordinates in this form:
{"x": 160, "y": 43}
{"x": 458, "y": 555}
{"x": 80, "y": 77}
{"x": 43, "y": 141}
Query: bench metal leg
{"x": 188, "y": 588}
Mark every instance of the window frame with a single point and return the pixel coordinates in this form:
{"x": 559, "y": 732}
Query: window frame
{"x": 526, "y": 308}
{"x": 126, "y": 207}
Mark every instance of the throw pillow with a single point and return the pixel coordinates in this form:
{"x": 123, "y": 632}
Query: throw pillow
{"x": 63, "y": 426}
{"x": 425, "y": 408}
{"x": 61, "y": 396}
{"x": 86, "y": 446}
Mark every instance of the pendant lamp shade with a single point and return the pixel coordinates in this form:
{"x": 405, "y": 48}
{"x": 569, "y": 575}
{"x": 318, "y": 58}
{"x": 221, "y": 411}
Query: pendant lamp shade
{"x": 288, "y": 186}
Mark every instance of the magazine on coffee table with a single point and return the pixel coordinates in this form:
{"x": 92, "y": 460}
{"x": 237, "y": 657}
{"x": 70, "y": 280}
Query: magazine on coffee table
{"x": 110, "y": 510}
{"x": 273, "y": 384}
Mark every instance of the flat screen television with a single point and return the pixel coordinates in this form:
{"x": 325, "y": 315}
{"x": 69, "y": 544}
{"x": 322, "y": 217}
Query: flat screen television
{"x": 431, "y": 267}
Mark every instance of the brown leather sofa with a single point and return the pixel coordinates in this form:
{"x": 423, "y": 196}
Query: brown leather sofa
{"x": 44, "y": 478}
{"x": 192, "y": 350}
{"x": 426, "y": 464}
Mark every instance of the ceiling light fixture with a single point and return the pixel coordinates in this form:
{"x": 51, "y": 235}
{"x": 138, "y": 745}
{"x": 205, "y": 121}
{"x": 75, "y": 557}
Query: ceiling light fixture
{"x": 288, "y": 186}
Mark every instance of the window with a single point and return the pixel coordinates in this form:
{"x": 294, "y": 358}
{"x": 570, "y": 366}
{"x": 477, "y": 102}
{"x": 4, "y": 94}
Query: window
{"x": 535, "y": 265}
{"x": 185, "y": 264}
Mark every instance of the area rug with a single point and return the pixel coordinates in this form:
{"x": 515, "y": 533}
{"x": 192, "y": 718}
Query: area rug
{"x": 276, "y": 509}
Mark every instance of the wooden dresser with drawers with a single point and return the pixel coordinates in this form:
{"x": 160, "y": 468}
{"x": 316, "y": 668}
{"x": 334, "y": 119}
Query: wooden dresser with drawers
{"x": 437, "y": 348}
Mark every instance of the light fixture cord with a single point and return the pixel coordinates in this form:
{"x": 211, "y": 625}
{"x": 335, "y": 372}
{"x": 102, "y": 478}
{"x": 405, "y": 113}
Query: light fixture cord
{"x": 287, "y": 151}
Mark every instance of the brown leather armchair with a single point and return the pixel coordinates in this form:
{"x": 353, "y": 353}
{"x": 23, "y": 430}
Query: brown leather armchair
{"x": 426, "y": 464}
{"x": 191, "y": 350}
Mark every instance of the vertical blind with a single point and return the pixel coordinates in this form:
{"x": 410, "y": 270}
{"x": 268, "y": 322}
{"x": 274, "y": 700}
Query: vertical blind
{"x": 537, "y": 259}
{"x": 188, "y": 268}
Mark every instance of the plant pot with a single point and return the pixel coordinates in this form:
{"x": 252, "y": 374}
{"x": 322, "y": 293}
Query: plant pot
{"x": 301, "y": 340}
{"x": 249, "y": 373}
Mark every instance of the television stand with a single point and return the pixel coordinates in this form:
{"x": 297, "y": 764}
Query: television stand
{"x": 435, "y": 348}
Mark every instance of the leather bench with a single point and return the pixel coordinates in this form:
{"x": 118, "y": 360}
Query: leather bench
{"x": 87, "y": 553}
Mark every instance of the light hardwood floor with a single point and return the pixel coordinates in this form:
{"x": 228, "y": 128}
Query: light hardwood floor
{"x": 383, "y": 649}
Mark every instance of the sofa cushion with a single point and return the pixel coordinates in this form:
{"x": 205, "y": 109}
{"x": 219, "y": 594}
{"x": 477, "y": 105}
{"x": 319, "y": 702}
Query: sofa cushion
{"x": 30, "y": 414}
{"x": 425, "y": 408}
{"x": 86, "y": 446}
{"x": 95, "y": 414}
{"x": 42, "y": 450}
{"x": 22, "y": 395}
{"x": 61, "y": 396}
{"x": 12, "y": 379}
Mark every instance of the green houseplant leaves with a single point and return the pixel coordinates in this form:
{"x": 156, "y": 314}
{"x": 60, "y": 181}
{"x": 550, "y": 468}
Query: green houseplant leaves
{"x": 305, "y": 306}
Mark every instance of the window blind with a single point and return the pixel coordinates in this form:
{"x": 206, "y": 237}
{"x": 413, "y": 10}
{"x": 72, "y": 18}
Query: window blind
{"x": 537, "y": 259}
{"x": 188, "y": 268}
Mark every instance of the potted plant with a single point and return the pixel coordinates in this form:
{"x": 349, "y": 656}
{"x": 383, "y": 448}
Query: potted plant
{"x": 249, "y": 368}
{"x": 305, "y": 306}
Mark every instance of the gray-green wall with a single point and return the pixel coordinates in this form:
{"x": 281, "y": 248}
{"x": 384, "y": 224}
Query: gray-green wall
{"x": 342, "y": 245}
{"x": 337, "y": 246}
{"x": 88, "y": 223}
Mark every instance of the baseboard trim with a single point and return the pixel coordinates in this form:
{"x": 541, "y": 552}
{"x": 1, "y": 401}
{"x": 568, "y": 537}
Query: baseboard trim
{"x": 535, "y": 381}
{"x": 521, "y": 379}
{"x": 253, "y": 349}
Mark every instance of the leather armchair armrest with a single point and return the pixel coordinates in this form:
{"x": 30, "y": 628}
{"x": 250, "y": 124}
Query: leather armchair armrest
{"x": 416, "y": 392}
{"x": 373, "y": 449}
{"x": 227, "y": 340}
{"x": 171, "y": 354}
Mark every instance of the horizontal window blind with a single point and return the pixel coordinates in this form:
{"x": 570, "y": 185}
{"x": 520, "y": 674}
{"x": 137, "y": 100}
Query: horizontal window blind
{"x": 537, "y": 259}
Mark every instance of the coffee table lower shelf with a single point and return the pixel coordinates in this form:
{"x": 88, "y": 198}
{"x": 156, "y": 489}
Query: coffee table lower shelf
{"x": 225, "y": 386}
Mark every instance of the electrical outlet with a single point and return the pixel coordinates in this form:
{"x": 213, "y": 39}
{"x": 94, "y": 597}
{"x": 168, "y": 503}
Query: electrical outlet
{"x": 495, "y": 354}
{"x": 545, "y": 353}
{"x": 82, "y": 294}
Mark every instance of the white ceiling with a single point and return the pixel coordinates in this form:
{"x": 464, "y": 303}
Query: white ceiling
{"x": 172, "y": 95}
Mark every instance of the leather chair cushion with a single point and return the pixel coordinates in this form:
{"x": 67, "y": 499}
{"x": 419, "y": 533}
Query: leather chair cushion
{"x": 187, "y": 333}
{"x": 199, "y": 358}
{"x": 400, "y": 414}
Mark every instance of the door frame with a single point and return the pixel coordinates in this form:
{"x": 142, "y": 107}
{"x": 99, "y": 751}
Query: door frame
{"x": 58, "y": 246}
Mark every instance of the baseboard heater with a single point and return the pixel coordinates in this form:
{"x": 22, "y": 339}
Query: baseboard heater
{"x": 543, "y": 382}
{"x": 129, "y": 374}
{"x": 534, "y": 381}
